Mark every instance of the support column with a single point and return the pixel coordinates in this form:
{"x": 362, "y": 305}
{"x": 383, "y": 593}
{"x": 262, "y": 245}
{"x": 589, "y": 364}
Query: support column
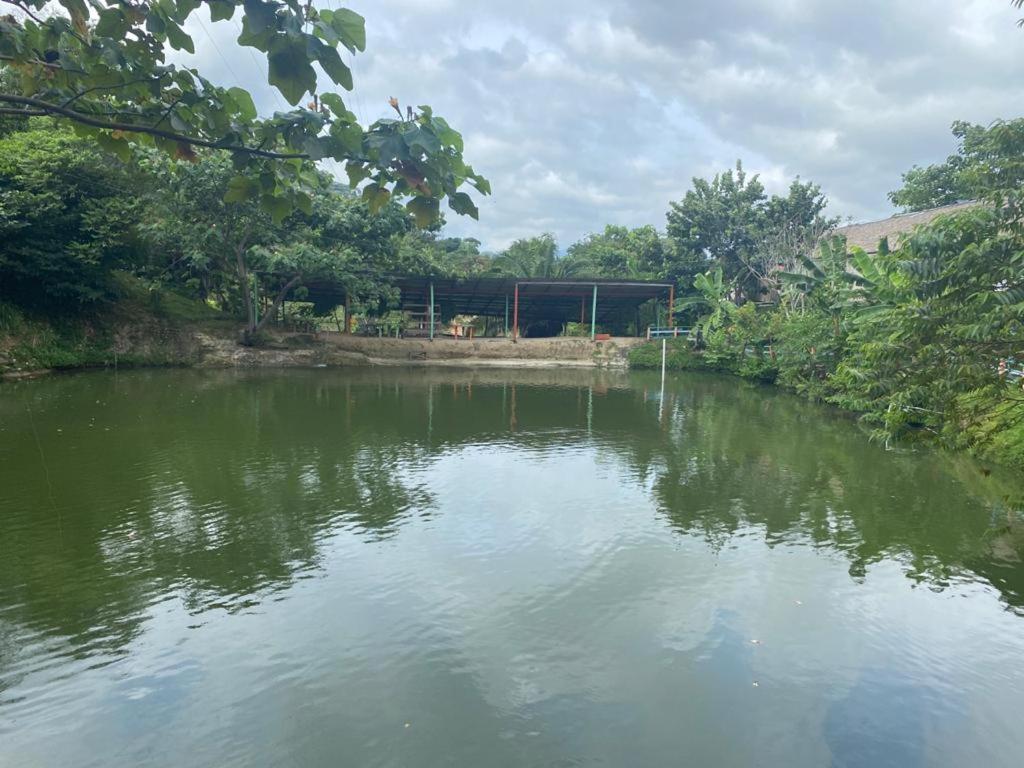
{"x": 431, "y": 310}
{"x": 506, "y": 315}
{"x": 671, "y": 306}
{"x": 515, "y": 315}
{"x": 348, "y": 312}
{"x": 593, "y": 315}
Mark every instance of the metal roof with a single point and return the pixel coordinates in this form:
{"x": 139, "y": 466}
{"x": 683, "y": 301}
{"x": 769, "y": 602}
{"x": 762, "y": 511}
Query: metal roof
{"x": 564, "y": 300}
{"x": 866, "y": 235}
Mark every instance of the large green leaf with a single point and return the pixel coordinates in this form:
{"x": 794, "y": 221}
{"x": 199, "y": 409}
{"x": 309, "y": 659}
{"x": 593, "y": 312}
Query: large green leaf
{"x": 376, "y": 196}
{"x": 115, "y": 145}
{"x": 463, "y": 204}
{"x": 349, "y": 137}
{"x": 333, "y": 102}
{"x": 289, "y": 70}
{"x": 422, "y": 138}
{"x": 424, "y": 209}
{"x": 220, "y": 10}
{"x": 259, "y": 24}
{"x": 240, "y": 189}
{"x": 178, "y": 39}
{"x": 112, "y": 23}
{"x": 244, "y": 102}
{"x": 351, "y": 29}
{"x": 278, "y": 207}
{"x": 335, "y": 68}
{"x": 79, "y": 14}
{"x": 357, "y": 172}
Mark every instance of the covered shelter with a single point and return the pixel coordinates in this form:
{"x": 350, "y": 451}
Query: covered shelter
{"x": 520, "y": 301}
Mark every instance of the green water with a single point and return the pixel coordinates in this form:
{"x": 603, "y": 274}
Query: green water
{"x": 429, "y": 568}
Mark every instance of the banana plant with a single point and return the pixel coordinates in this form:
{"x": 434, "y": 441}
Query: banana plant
{"x": 824, "y": 282}
{"x": 714, "y": 296}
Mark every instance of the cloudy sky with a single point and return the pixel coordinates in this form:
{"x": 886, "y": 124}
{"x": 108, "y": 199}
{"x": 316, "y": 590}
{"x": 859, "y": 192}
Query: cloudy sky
{"x": 589, "y": 113}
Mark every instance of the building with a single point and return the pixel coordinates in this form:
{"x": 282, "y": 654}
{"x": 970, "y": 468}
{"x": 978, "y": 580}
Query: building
{"x": 868, "y": 234}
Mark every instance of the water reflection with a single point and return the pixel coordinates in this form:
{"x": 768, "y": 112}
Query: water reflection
{"x": 224, "y": 484}
{"x": 512, "y": 519}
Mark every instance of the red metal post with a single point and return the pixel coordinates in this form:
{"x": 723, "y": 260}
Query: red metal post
{"x": 515, "y": 315}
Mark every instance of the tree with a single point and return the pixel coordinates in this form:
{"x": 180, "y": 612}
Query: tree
{"x": 932, "y": 186}
{"x": 718, "y": 223}
{"x": 949, "y": 305}
{"x": 68, "y": 216}
{"x": 792, "y": 230}
{"x": 538, "y": 257}
{"x": 730, "y": 222}
{"x": 823, "y": 282}
{"x": 204, "y": 236}
{"x": 621, "y": 252}
{"x": 341, "y": 242}
{"x": 986, "y": 158}
{"x": 239, "y": 243}
{"x": 423, "y": 252}
{"x": 102, "y": 67}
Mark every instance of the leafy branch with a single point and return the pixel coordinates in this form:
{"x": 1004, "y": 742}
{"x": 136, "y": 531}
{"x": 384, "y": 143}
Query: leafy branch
{"x": 42, "y": 108}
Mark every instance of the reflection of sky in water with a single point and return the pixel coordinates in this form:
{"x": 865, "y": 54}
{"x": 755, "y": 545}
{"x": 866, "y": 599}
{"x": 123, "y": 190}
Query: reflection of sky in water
{"x": 549, "y": 596}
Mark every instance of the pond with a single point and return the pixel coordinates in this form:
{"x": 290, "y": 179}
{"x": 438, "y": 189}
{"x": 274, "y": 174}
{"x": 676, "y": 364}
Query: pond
{"x": 453, "y": 568}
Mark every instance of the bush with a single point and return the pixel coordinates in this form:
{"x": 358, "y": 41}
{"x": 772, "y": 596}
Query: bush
{"x": 679, "y": 356}
{"x": 807, "y": 349}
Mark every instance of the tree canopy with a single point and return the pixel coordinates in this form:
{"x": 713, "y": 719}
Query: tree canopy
{"x": 102, "y": 66}
{"x": 68, "y": 216}
{"x": 986, "y": 158}
{"x": 725, "y": 221}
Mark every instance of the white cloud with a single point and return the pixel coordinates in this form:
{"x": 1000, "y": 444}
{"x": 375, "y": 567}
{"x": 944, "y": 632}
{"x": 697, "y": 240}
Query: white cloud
{"x": 588, "y": 113}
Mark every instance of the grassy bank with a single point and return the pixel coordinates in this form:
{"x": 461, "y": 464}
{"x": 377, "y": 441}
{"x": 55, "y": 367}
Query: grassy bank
{"x": 140, "y": 328}
{"x": 987, "y": 428}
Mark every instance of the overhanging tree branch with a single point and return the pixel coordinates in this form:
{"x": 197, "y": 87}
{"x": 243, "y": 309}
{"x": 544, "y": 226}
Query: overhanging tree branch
{"x": 38, "y": 107}
{"x": 95, "y": 88}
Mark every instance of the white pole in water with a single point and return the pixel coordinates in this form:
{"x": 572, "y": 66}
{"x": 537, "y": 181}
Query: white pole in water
{"x": 663, "y": 343}
{"x": 661, "y": 403}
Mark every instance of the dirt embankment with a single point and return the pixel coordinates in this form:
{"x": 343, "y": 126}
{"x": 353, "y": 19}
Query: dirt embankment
{"x": 334, "y": 349}
{"x": 215, "y": 345}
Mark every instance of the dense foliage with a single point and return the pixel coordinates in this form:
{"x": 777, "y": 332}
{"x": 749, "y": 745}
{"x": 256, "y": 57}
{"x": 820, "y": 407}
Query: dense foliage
{"x": 987, "y": 158}
{"x": 67, "y": 214}
{"x": 102, "y": 67}
{"x": 728, "y": 222}
{"x": 924, "y": 338}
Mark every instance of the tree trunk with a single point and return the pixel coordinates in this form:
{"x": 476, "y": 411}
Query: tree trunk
{"x": 278, "y": 301}
{"x": 243, "y": 283}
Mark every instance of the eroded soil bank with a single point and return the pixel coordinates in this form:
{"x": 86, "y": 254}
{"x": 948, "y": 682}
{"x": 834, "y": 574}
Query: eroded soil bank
{"x": 215, "y": 345}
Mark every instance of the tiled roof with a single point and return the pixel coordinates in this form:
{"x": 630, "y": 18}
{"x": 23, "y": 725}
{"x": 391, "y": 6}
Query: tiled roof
{"x": 868, "y": 234}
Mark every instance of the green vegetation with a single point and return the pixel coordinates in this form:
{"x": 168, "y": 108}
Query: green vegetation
{"x": 143, "y": 327}
{"x": 910, "y": 337}
{"x": 986, "y": 158}
{"x": 101, "y": 67}
{"x": 137, "y": 193}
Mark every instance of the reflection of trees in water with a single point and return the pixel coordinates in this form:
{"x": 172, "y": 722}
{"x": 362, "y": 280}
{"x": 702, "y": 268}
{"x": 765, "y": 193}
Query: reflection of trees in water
{"x": 217, "y": 488}
{"x": 735, "y": 457}
{"x": 222, "y": 487}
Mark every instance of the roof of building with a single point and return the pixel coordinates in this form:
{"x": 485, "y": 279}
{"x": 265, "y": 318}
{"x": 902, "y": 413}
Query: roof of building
{"x": 867, "y": 234}
{"x": 564, "y": 300}
{"x": 539, "y": 298}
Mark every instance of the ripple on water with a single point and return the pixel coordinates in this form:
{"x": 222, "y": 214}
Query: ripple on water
{"x": 462, "y": 568}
